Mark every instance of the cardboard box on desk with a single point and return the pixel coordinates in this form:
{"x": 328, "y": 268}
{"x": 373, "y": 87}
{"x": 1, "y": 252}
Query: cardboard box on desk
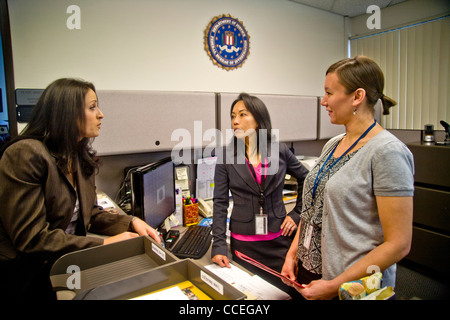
{"x": 166, "y": 277}
{"x": 77, "y": 273}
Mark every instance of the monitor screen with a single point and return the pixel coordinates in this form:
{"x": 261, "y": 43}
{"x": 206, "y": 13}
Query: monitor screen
{"x": 153, "y": 192}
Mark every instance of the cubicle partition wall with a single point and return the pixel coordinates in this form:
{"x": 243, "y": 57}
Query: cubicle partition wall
{"x": 151, "y": 121}
{"x": 294, "y": 116}
{"x": 144, "y": 121}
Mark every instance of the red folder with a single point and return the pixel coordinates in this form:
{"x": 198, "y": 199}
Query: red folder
{"x": 265, "y": 268}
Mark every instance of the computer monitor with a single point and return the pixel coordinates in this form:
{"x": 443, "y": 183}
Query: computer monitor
{"x": 153, "y": 192}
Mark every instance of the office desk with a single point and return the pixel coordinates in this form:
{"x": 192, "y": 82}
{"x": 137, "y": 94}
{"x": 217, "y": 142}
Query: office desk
{"x": 431, "y": 220}
{"x": 129, "y": 264}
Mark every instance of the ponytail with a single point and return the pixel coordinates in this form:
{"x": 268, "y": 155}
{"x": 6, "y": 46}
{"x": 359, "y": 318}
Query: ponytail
{"x": 387, "y": 103}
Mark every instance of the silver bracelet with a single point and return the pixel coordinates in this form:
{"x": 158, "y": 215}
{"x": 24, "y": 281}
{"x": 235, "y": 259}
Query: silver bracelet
{"x": 131, "y": 223}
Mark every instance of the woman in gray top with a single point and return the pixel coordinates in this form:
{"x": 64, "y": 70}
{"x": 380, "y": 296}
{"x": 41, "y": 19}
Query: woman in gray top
{"x": 357, "y": 200}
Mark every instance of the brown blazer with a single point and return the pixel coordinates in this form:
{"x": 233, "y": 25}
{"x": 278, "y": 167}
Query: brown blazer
{"x": 37, "y": 201}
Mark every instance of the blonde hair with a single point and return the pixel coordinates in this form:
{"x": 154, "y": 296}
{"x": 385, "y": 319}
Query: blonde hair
{"x": 363, "y": 72}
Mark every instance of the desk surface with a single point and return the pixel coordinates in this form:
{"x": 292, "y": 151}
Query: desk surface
{"x": 205, "y": 261}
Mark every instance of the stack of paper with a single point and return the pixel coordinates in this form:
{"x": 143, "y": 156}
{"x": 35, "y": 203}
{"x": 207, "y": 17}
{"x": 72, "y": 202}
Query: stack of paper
{"x": 205, "y": 177}
{"x": 254, "y": 287}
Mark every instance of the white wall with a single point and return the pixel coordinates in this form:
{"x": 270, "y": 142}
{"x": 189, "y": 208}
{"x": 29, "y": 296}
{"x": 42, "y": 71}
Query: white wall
{"x": 158, "y": 45}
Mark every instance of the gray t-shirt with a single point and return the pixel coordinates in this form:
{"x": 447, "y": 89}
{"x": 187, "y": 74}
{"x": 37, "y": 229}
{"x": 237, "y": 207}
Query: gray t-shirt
{"x": 310, "y": 250}
{"x": 351, "y": 227}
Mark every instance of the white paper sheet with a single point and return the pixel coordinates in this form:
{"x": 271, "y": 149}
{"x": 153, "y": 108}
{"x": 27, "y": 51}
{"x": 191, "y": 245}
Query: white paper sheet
{"x": 253, "y": 286}
{"x": 174, "y": 293}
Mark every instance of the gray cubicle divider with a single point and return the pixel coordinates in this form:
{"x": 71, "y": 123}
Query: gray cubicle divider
{"x": 149, "y": 121}
{"x": 294, "y": 116}
{"x": 144, "y": 121}
{"x": 82, "y": 271}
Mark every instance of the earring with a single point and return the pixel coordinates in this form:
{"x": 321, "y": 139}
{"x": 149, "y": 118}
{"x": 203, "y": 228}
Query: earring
{"x": 354, "y": 111}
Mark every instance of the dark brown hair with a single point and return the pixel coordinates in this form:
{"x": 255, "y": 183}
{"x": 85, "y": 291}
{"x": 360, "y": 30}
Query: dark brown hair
{"x": 258, "y": 109}
{"x": 57, "y": 119}
{"x": 363, "y": 72}
{"x": 261, "y": 115}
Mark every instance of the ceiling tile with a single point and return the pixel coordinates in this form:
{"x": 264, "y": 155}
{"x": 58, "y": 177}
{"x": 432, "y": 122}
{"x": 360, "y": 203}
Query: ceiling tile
{"x": 350, "y": 8}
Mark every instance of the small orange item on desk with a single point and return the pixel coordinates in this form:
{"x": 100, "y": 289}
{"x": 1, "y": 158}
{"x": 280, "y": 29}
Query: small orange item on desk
{"x": 190, "y": 211}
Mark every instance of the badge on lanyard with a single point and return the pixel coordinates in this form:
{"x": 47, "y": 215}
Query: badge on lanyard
{"x": 308, "y": 236}
{"x": 261, "y": 222}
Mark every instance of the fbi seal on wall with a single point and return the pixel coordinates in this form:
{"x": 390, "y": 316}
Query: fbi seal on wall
{"x": 227, "y": 42}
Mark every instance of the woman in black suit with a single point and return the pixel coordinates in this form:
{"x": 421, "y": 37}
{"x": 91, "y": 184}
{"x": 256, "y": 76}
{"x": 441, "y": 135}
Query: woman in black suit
{"x": 259, "y": 225}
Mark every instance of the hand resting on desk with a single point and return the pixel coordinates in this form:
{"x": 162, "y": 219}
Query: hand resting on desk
{"x": 287, "y": 227}
{"x": 121, "y": 236}
{"x": 141, "y": 229}
{"x": 221, "y": 260}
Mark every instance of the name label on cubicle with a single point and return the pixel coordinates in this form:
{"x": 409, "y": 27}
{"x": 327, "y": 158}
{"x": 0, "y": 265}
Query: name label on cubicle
{"x": 211, "y": 282}
{"x": 159, "y": 251}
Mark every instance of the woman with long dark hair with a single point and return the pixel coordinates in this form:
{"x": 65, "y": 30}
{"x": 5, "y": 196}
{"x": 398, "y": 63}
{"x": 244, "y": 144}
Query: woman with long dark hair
{"x": 48, "y": 201}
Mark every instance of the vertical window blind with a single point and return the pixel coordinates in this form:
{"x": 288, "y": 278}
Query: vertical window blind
{"x": 415, "y": 62}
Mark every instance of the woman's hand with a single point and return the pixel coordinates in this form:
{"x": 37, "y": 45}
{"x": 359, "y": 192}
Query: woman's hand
{"x": 288, "y": 226}
{"x": 143, "y": 229}
{"x": 121, "y": 236}
{"x": 316, "y": 290}
{"x": 290, "y": 266}
{"x": 221, "y": 260}
{"x": 319, "y": 290}
{"x": 289, "y": 269}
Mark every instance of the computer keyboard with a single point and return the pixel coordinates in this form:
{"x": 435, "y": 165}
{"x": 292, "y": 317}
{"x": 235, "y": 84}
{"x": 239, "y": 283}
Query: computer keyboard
{"x": 194, "y": 243}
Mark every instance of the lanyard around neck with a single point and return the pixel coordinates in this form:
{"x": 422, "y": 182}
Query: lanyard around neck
{"x": 319, "y": 176}
{"x": 261, "y": 186}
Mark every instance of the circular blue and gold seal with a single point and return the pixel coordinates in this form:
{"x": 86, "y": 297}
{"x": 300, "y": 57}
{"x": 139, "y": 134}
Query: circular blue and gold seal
{"x": 227, "y": 42}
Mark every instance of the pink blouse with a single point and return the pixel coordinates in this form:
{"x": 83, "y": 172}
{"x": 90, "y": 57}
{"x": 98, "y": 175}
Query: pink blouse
{"x": 257, "y": 237}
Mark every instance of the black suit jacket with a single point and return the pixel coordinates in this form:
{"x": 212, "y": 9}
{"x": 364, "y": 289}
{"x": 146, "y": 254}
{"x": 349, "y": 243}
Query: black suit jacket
{"x": 245, "y": 192}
